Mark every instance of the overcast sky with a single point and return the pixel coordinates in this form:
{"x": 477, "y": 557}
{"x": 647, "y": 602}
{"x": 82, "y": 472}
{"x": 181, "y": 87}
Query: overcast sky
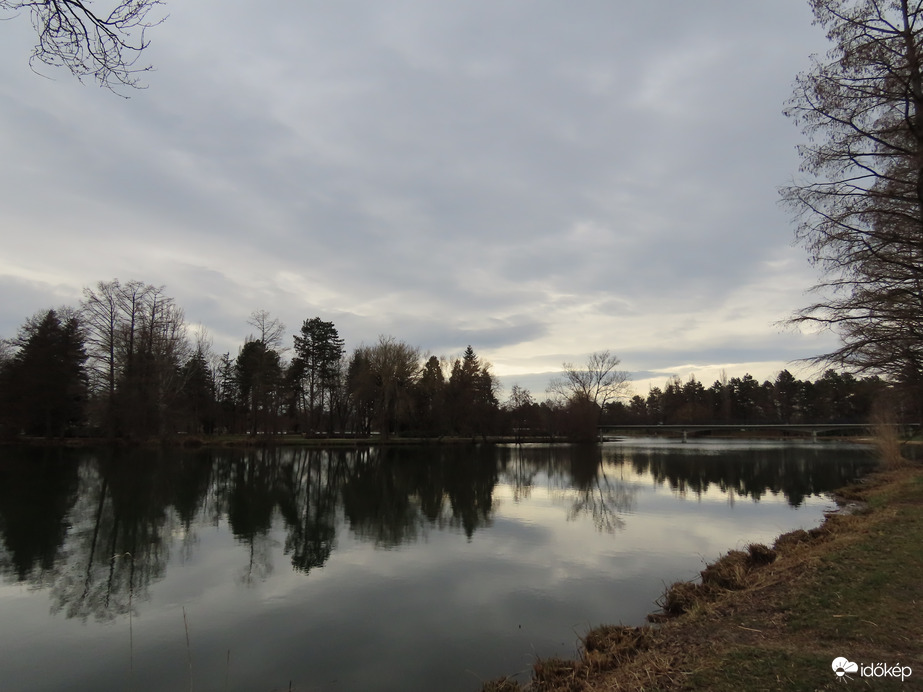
{"x": 537, "y": 179}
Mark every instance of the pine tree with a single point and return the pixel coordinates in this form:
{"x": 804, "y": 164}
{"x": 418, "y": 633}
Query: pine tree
{"x": 44, "y": 384}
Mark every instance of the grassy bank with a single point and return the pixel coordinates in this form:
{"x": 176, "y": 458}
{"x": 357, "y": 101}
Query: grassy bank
{"x": 775, "y": 618}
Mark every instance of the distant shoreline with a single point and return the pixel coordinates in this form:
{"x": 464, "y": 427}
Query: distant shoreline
{"x": 295, "y": 440}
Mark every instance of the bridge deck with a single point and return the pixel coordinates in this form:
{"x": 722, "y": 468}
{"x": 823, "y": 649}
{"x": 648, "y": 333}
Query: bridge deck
{"x": 747, "y": 426}
{"x": 812, "y": 429}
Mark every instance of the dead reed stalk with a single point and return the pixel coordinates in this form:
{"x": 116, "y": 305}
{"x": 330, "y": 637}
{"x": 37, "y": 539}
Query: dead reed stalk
{"x": 188, "y": 648}
{"x": 886, "y": 438}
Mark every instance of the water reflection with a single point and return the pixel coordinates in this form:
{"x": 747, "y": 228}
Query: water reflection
{"x": 581, "y": 475}
{"x": 38, "y": 488}
{"x": 390, "y": 499}
{"x": 97, "y": 529}
{"x": 795, "y": 471}
{"x": 511, "y": 544}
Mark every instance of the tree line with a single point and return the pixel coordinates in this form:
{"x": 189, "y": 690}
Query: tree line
{"x": 123, "y": 363}
{"x": 835, "y": 397}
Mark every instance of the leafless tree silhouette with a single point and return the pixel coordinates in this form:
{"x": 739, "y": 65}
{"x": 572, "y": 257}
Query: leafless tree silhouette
{"x": 106, "y": 47}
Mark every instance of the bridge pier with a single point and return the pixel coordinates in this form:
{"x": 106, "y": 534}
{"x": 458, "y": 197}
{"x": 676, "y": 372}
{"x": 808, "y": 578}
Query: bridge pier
{"x": 684, "y": 437}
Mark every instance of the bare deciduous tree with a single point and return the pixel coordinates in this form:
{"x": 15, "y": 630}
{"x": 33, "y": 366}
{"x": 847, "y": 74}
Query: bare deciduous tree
{"x": 103, "y": 46}
{"x": 101, "y": 315}
{"x": 389, "y": 368}
{"x": 270, "y": 330}
{"x": 859, "y": 204}
{"x": 598, "y": 383}
{"x": 6, "y": 352}
{"x": 136, "y": 341}
{"x": 519, "y": 397}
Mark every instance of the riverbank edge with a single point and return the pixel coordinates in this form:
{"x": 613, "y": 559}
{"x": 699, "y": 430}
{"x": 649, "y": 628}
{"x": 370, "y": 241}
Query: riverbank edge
{"x": 776, "y": 617}
{"x": 270, "y": 442}
{"x": 295, "y": 440}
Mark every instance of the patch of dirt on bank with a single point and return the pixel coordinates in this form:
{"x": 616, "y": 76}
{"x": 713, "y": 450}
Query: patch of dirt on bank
{"x": 775, "y": 618}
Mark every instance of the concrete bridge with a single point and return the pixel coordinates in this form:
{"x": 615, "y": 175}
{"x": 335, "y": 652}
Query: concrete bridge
{"x": 812, "y": 429}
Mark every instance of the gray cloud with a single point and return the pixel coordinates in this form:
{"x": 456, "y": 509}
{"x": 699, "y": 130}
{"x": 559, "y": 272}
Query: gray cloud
{"x": 537, "y": 180}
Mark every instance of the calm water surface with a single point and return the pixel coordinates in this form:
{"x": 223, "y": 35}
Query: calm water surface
{"x": 398, "y": 569}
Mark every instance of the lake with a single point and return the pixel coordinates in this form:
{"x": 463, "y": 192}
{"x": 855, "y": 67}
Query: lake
{"x": 404, "y": 568}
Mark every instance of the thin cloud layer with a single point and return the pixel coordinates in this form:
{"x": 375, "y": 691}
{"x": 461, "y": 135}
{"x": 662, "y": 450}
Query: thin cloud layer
{"x": 535, "y": 179}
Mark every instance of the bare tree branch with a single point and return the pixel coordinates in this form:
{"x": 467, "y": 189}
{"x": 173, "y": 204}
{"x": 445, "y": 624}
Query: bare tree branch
{"x": 599, "y": 383}
{"x": 104, "y": 47}
{"x": 859, "y": 205}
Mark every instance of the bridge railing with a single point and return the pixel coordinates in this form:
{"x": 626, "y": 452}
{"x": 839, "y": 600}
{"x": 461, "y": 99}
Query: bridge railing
{"x": 812, "y": 429}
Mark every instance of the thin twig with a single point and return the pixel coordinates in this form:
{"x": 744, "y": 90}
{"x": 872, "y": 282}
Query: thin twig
{"x": 188, "y": 649}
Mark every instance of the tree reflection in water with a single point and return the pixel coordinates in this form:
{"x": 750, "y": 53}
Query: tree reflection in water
{"x": 96, "y": 529}
{"x": 578, "y": 478}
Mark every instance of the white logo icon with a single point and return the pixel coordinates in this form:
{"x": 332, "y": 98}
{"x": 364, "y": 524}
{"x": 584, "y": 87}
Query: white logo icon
{"x": 841, "y": 666}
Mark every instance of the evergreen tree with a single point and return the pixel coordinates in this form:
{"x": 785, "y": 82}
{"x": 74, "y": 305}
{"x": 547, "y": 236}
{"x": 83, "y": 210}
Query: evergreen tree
{"x": 226, "y": 394}
{"x": 258, "y": 377}
{"x": 198, "y": 394}
{"x": 318, "y": 354}
{"x": 473, "y": 404}
{"x": 430, "y": 398}
{"x": 44, "y": 384}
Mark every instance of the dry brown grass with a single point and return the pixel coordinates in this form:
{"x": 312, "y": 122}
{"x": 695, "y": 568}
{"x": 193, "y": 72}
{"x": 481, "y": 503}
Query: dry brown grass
{"x": 735, "y": 571}
{"x": 885, "y": 437}
{"x": 501, "y": 685}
